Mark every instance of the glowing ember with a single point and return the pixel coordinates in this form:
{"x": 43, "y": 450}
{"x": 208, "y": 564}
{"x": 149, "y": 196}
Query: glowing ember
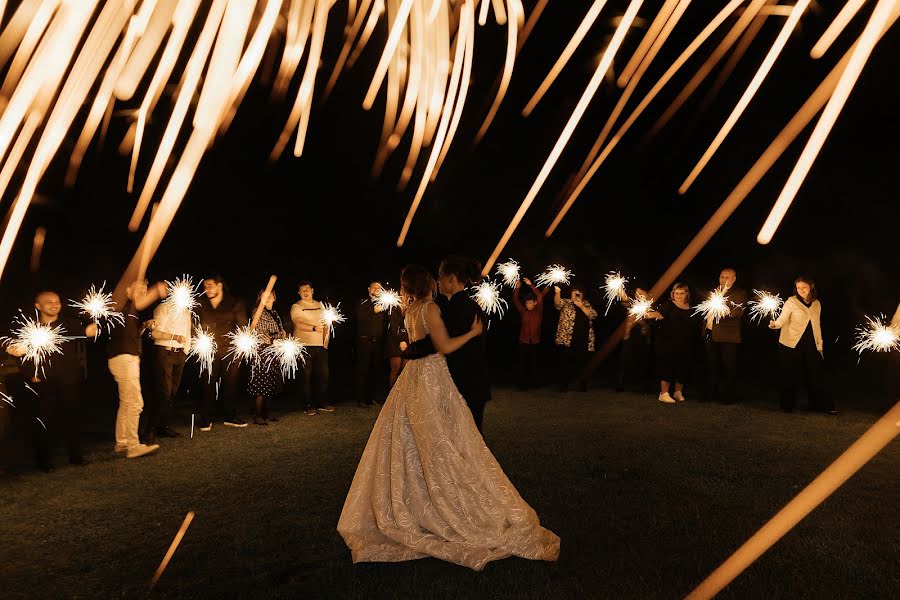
{"x": 715, "y": 305}
{"x": 203, "y": 348}
{"x": 766, "y": 306}
{"x": 640, "y": 306}
{"x": 614, "y": 288}
{"x": 331, "y": 316}
{"x": 287, "y": 352}
{"x": 244, "y": 345}
{"x": 37, "y": 341}
{"x": 387, "y": 299}
{"x": 554, "y": 275}
{"x": 509, "y": 271}
{"x": 182, "y": 294}
{"x": 100, "y": 308}
{"x": 487, "y": 295}
{"x": 877, "y": 336}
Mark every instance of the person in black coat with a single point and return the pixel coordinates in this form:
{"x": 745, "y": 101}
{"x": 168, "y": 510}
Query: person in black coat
{"x": 468, "y": 365}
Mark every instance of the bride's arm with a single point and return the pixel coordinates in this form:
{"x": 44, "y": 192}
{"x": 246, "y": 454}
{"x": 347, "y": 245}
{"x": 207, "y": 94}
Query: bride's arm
{"x": 443, "y": 343}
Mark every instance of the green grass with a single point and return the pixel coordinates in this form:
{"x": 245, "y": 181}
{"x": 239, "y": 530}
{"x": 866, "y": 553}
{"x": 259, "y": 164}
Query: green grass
{"x": 648, "y": 499}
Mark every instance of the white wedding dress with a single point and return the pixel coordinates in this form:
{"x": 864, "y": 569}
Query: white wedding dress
{"x": 428, "y": 486}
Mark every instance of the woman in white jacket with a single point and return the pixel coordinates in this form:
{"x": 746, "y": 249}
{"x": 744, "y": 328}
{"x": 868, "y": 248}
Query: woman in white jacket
{"x": 800, "y": 348}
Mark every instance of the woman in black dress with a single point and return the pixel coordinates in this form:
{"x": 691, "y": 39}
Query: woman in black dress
{"x": 674, "y": 342}
{"x": 266, "y": 380}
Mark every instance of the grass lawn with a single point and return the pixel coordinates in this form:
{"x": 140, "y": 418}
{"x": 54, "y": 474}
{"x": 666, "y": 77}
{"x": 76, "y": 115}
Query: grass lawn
{"x": 647, "y": 498}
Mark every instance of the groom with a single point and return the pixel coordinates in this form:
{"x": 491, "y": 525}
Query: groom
{"x": 468, "y": 365}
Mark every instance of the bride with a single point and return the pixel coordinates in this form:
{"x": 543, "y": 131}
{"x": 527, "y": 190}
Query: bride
{"x": 426, "y": 484}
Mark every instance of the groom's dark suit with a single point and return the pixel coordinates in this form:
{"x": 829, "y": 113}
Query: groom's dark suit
{"x": 468, "y": 365}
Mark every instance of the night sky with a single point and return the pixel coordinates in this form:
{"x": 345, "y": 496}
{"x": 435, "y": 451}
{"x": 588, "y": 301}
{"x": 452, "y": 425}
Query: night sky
{"x": 322, "y": 217}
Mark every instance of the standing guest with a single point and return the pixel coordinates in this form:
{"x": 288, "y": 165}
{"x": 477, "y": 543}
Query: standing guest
{"x": 54, "y": 391}
{"x": 530, "y": 304}
{"x": 800, "y": 348}
{"x": 722, "y": 340}
{"x": 674, "y": 342}
{"x": 468, "y": 366}
{"x": 574, "y": 334}
{"x": 266, "y": 379}
{"x": 220, "y": 313}
{"x": 124, "y": 360}
{"x": 308, "y": 316}
{"x": 395, "y": 345}
{"x": 637, "y": 346}
{"x": 369, "y": 346}
{"x": 171, "y": 332}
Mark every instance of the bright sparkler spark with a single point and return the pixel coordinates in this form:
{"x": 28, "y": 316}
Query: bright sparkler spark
{"x": 877, "y": 335}
{"x": 487, "y": 295}
{"x": 203, "y": 348}
{"x": 614, "y": 288}
{"x": 640, "y": 306}
{"x": 554, "y": 275}
{"x": 332, "y": 315}
{"x": 715, "y": 306}
{"x": 286, "y": 352}
{"x": 37, "y": 340}
{"x": 182, "y": 294}
{"x": 766, "y": 306}
{"x": 387, "y": 299}
{"x": 244, "y": 344}
{"x": 509, "y": 271}
{"x": 100, "y": 308}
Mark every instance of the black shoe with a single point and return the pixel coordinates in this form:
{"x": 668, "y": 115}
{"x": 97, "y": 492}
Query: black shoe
{"x": 46, "y": 467}
{"x": 79, "y": 461}
{"x": 272, "y": 419}
{"x": 361, "y": 405}
{"x": 167, "y": 432}
{"x": 260, "y": 421}
{"x": 150, "y": 438}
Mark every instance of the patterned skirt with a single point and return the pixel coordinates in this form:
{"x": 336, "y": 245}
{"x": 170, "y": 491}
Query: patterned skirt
{"x": 265, "y": 381}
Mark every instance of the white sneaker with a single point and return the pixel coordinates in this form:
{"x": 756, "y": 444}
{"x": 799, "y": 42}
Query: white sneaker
{"x": 666, "y": 398}
{"x": 141, "y": 450}
{"x": 121, "y": 448}
{"x": 679, "y": 397}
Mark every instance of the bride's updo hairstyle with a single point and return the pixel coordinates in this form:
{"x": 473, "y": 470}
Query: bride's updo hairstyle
{"x": 416, "y": 281}
{"x": 467, "y": 270}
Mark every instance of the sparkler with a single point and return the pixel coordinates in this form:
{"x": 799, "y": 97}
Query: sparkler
{"x": 487, "y": 295}
{"x": 203, "y": 348}
{"x": 877, "y": 335}
{"x": 387, "y": 299}
{"x": 36, "y": 341}
{"x": 331, "y": 315}
{"x": 509, "y": 271}
{"x": 182, "y": 294}
{"x": 99, "y": 307}
{"x": 766, "y": 306}
{"x": 614, "y": 288}
{"x": 244, "y": 343}
{"x": 640, "y": 306}
{"x": 715, "y": 306}
{"x": 554, "y": 275}
{"x": 286, "y": 352}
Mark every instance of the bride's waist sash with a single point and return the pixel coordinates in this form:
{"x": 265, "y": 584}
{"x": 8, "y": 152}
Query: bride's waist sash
{"x": 419, "y": 349}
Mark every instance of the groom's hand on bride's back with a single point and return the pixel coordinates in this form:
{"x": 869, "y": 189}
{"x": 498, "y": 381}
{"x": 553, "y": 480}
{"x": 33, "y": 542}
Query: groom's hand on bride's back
{"x": 477, "y": 327}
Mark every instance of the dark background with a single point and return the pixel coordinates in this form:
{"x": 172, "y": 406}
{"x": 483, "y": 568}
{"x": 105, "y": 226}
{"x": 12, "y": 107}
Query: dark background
{"x": 322, "y": 216}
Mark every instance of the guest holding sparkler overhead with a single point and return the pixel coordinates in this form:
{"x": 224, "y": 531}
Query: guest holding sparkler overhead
{"x": 124, "y": 360}
{"x": 266, "y": 379}
{"x": 530, "y": 304}
{"x": 171, "y": 333}
{"x": 308, "y": 316}
{"x": 800, "y": 348}
{"x": 370, "y": 332}
{"x": 219, "y": 313}
{"x": 574, "y": 334}
{"x": 468, "y": 366}
{"x": 396, "y": 343}
{"x": 674, "y": 343}
{"x": 52, "y": 389}
{"x": 722, "y": 339}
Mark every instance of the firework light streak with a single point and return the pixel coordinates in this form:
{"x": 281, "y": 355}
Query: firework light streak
{"x": 203, "y": 349}
{"x": 487, "y": 295}
{"x": 877, "y": 336}
{"x": 182, "y": 294}
{"x": 188, "y": 518}
{"x": 7, "y": 399}
{"x": 99, "y": 307}
{"x": 37, "y": 341}
{"x": 553, "y": 275}
{"x": 510, "y": 272}
{"x": 331, "y": 316}
{"x": 613, "y": 288}
{"x": 766, "y": 306}
{"x": 287, "y": 353}
{"x": 715, "y": 306}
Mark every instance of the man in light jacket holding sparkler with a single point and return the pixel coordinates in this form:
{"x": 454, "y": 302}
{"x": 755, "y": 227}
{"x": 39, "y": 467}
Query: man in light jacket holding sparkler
{"x": 722, "y": 338}
{"x": 308, "y": 316}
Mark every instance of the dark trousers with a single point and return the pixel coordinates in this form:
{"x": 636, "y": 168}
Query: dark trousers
{"x": 803, "y": 362}
{"x": 721, "y": 371}
{"x": 528, "y": 361}
{"x": 369, "y": 368}
{"x": 314, "y": 377}
{"x": 634, "y": 361}
{"x": 168, "y": 365}
{"x": 572, "y": 361}
{"x": 53, "y": 412}
{"x": 220, "y": 387}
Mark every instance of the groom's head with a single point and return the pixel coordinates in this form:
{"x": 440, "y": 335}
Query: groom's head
{"x": 456, "y": 273}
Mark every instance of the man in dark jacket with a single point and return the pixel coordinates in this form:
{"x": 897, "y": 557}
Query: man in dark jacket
{"x": 722, "y": 339}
